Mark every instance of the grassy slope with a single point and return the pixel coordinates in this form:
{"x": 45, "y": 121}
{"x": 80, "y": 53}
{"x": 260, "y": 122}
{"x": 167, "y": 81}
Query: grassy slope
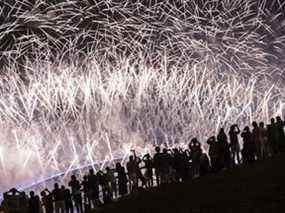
{"x": 257, "y": 188}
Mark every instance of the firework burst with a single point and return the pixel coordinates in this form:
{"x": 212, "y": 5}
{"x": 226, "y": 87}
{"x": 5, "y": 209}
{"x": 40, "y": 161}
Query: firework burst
{"x": 104, "y": 77}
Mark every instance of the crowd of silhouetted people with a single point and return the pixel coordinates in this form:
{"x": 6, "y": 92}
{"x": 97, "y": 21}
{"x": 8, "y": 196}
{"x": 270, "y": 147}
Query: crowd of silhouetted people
{"x": 166, "y": 166}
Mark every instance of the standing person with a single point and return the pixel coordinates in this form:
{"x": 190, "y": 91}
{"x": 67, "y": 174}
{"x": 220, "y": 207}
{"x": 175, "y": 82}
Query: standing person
{"x": 94, "y": 188}
{"x": 225, "y": 153}
{"x": 214, "y": 154}
{"x": 280, "y": 125}
{"x": 166, "y": 166}
{"x": 86, "y": 192}
{"x": 110, "y": 175}
{"x": 149, "y": 173}
{"x": 122, "y": 179}
{"x": 58, "y": 197}
{"x": 106, "y": 191}
{"x": 132, "y": 173}
{"x": 195, "y": 156}
{"x": 23, "y": 202}
{"x": 185, "y": 162}
{"x": 75, "y": 186}
{"x": 234, "y": 143}
{"x": 11, "y": 202}
{"x": 264, "y": 152}
{"x": 34, "y": 203}
{"x": 204, "y": 164}
{"x": 178, "y": 165}
{"x": 67, "y": 200}
{"x": 273, "y": 136}
{"x": 256, "y": 135}
{"x": 248, "y": 146}
{"x": 157, "y": 163}
{"x": 47, "y": 200}
{"x": 138, "y": 170}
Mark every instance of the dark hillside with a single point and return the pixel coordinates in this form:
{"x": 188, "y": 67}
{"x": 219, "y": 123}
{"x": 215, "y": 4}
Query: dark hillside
{"x": 257, "y": 188}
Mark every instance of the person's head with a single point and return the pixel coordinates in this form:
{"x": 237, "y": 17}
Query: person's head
{"x": 91, "y": 171}
{"x": 278, "y": 119}
{"x": 73, "y": 177}
{"x": 194, "y": 141}
{"x": 254, "y": 124}
{"x": 43, "y": 193}
{"x": 56, "y": 186}
{"x": 164, "y": 150}
{"x": 211, "y": 140}
{"x": 147, "y": 156}
{"x": 107, "y": 168}
{"x": 131, "y": 158}
{"x": 232, "y": 128}
{"x": 13, "y": 191}
{"x": 118, "y": 165}
{"x": 62, "y": 187}
{"x": 246, "y": 129}
{"x": 272, "y": 120}
{"x": 157, "y": 149}
{"x": 23, "y": 194}
{"x": 261, "y": 124}
{"x": 32, "y": 194}
{"x": 85, "y": 177}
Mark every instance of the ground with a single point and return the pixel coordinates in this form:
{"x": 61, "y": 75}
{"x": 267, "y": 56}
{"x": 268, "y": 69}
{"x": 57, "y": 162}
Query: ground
{"x": 255, "y": 188}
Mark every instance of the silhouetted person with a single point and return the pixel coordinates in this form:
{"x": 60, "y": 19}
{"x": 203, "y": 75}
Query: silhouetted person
{"x": 234, "y": 143}
{"x": 107, "y": 197}
{"x": 280, "y": 125}
{"x": 185, "y": 167}
{"x": 47, "y": 200}
{"x": 58, "y": 197}
{"x": 204, "y": 165}
{"x": 67, "y": 200}
{"x": 34, "y": 203}
{"x": 86, "y": 192}
{"x": 264, "y": 149}
{"x": 75, "y": 186}
{"x": 214, "y": 153}
{"x": 195, "y": 156}
{"x": 178, "y": 165}
{"x": 11, "y": 202}
{"x": 248, "y": 146}
{"x": 139, "y": 171}
{"x": 166, "y": 166}
{"x": 157, "y": 163}
{"x": 256, "y": 136}
{"x": 24, "y": 202}
{"x": 148, "y": 173}
{"x": 225, "y": 154}
{"x": 132, "y": 168}
{"x": 273, "y": 136}
{"x": 94, "y": 188}
{"x": 111, "y": 178}
{"x": 122, "y": 179}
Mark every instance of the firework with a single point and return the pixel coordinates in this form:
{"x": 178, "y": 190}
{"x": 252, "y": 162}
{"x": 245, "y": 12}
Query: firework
{"x": 85, "y": 82}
